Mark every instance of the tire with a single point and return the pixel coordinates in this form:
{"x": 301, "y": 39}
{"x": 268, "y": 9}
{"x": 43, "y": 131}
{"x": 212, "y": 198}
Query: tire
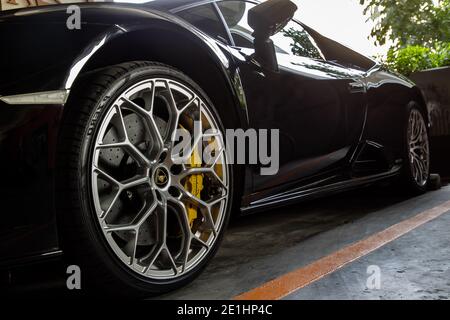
{"x": 120, "y": 197}
{"x": 416, "y": 169}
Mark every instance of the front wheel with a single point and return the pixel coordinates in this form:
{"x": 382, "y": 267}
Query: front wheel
{"x": 140, "y": 214}
{"x": 416, "y": 172}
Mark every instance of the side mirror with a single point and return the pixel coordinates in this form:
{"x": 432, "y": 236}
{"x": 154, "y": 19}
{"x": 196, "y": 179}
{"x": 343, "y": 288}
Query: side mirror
{"x": 267, "y": 19}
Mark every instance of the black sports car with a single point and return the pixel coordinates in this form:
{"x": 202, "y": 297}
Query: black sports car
{"x": 89, "y": 114}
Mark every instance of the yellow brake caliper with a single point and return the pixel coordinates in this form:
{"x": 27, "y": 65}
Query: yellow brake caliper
{"x": 194, "y": 184}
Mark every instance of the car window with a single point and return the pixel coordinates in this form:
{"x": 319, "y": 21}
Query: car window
{"x": 206, "y": 18}
{"x": 292, "y": 40}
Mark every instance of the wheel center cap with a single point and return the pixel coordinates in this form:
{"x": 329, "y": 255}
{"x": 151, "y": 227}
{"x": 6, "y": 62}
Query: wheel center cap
{"x": 161, "y": 177}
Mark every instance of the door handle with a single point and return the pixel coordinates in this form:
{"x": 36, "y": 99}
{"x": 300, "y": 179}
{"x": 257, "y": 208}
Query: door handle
{"x": 357, "y": 87}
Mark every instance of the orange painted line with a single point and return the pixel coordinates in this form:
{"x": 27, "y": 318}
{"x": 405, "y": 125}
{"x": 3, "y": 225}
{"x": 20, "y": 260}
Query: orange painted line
{"x": 300, "y": 278}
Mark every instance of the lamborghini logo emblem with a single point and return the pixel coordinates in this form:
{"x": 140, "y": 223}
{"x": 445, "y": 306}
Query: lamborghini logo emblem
{"x": 161, "y": 177}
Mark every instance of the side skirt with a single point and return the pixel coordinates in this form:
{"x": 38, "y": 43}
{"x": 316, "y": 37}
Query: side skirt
{"x": 29, "y": 260}
{"x": 297, "y": 195}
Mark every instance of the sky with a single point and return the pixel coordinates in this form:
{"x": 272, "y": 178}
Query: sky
{"x": 341, "y": 20}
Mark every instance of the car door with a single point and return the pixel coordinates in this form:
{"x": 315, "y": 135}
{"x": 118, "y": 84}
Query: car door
{"x": 317, "y": 105}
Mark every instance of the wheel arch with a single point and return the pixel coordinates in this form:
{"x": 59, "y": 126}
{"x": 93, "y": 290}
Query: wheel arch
{"x": 389, "y": 95}
{"x": 419, "y": 98}
{"x": 183, "y": 50}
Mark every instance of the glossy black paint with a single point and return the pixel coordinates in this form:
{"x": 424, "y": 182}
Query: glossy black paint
{"x": 297, "y": 101}
{"x": 27, "y": 141}
{"x": 328, "y": 113}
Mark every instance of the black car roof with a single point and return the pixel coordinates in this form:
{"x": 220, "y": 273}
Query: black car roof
{"x": 167, "y": 5}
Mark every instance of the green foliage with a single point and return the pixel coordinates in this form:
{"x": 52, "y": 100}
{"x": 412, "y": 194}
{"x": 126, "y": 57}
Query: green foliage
{"x": 301, "y": 44}
{"x": 416, "y": 58}
{"x": 419, "y": 29}
{"x": 409, "y": 22}
{"x": 443, "y": 54}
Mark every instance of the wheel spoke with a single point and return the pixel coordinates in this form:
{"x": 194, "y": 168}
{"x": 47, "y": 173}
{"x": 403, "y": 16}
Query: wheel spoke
{"x": 415, "y": 170}
{"x": 174, "y": 113}
{"x": 163, "y": 230}
{"x": 105, "y": 176}
{"x": 183, "y": 213}
{"x": 194, "y": 171}
{"x": 186, "y": 229}
{"x": 212, "y": 134}
{"x": 112, "y": 145}
{"x": 222, "y": 184}
{"x": 104, "y": 214}
{"x": 162, "y": 239}
{"x": 152, "y": 96}
{"x": 217, "y": 157}
{"x": 172, "y": 261}
{"x": 185, "y": 255}
{"x": 174, "y": 123}
{"x": 148, "y": 212}
{"x": 122, "y": 227}
{"x": 198, "y": 136}
{"x": 218, "y": 200}
{"x": 131, "y": 247}
{"x": 134, "y": 182}
{"x": 148, "y": 118}
{"x": 152, "y": 257}
{"x": 121, "y": 125}
{"x": 421, "y": 166}
{"x": 138, "y": 221}
{"x": 138, "y": 155}
{"x": 200, "y": 242}
{"x": 127, "y": 184}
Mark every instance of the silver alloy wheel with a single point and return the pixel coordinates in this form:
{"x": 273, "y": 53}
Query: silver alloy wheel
{"x": 419, "y": 150}
{"x": 160, "y": 209}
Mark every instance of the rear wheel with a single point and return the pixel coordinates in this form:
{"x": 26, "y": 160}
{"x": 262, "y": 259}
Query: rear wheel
{"x": 417, "y": 151}
{"x": 141, "y": 214}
